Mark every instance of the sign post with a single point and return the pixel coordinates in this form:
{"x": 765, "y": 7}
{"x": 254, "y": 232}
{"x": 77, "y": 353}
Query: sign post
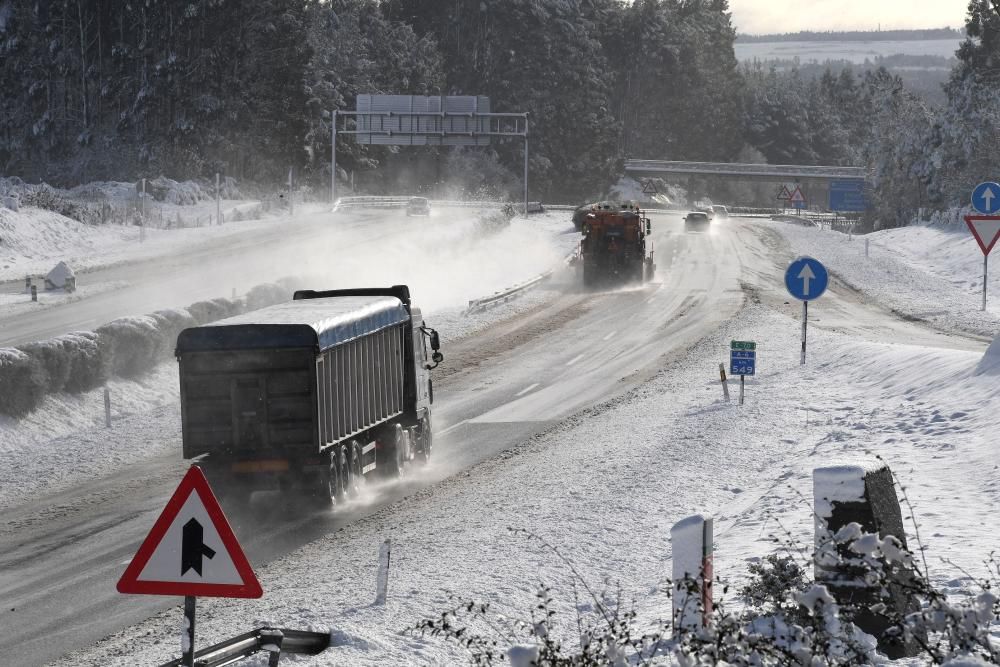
{"x": 806, "y": 279}
{"x": 985, "y": 227}
{"x": 191, "y": 551}
{"x": 742, "y": 361}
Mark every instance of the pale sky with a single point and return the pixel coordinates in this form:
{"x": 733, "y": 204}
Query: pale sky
{"x": 776, "y": 16}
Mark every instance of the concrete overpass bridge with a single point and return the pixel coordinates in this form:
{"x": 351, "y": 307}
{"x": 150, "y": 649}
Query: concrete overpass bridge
{"x": 750, "y": 172}
{"x": 824, "y": 187}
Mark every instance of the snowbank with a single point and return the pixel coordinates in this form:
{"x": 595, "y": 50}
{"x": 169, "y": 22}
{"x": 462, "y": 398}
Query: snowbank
{"x": 928, "y": 273}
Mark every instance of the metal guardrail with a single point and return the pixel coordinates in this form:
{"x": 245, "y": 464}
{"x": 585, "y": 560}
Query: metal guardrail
{"x": 400, "y": 202}
{"x": 511, "y": 293}
{"x": 272, "y": 640}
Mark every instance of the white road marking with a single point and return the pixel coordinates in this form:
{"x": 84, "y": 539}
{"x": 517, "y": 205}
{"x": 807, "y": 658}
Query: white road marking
{"x": 575, "y": 359}
{"x": 651, "y": 299}
{"x": 526, "y": 390}
{"x": 461, "y": 423}
{"x": 610, "y": 335}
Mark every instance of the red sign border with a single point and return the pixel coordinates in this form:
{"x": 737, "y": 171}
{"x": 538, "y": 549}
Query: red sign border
{"x": 194, "y": 482}
{"x": 969, "y": 219}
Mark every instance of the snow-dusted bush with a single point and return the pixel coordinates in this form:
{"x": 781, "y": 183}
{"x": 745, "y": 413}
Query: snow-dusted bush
{"x": 204, "y": 312}
{"x": 55, "y": 359}
{"x": 130, "y": 344}
{"x": 22, "y": 382}
{"x": 266, "y": 294}
{"x": 169, "y": 323}
{"x": 88, "y": 365}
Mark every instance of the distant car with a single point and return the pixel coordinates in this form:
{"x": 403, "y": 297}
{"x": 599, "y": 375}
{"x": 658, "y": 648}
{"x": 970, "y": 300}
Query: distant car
{"x": 720, "y": 212}
{"x": 696, "y": 220}
{"x": 418, "y": 206}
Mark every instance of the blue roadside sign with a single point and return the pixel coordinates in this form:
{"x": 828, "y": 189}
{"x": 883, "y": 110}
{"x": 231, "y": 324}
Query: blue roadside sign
{"x": 848, "y": 196}
{"x": 742, "y": 362}
{"x": 806, "y": 279}
{"x": 986, "y": 198}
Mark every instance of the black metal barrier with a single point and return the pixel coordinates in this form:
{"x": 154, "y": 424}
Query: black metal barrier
{"x": 272, "y": 640}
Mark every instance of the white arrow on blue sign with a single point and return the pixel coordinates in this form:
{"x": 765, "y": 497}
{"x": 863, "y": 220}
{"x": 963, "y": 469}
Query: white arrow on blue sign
{"x": 986, "y": 198}
{"x": 806, "y": 279}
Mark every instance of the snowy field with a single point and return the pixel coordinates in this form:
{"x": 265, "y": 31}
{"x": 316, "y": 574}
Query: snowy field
{"x": 606, "y": 496}
{"x": 855, "y": 52}
{"x": 931, "y": 273}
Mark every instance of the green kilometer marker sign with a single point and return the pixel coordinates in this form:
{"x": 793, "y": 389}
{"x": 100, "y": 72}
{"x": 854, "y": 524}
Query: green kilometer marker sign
{"x": 743, "y": 345}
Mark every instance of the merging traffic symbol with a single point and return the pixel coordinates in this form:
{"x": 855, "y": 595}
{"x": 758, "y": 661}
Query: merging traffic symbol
{"x": 806, "y": 279}
{"x": 191, "y": 550}
{"x": 986, "y": 198}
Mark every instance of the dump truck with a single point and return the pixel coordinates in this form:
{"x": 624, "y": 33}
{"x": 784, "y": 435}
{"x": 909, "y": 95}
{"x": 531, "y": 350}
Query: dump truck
{"x": 613, "y": 248}
{"x": 309, "y": 396}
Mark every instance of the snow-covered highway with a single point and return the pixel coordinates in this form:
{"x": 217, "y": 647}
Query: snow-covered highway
{"x": 520, "y": 377}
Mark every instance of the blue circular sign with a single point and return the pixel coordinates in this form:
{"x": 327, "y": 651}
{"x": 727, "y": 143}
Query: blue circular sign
{"x": 806, "y": 279}
{"x": 986, "y": 198}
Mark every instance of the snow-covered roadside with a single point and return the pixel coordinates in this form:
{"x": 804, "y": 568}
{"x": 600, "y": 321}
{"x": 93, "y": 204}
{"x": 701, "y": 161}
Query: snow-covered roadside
{"x": 606, "y": 486}
{"x": 65, "y": 440}
{"x": 930, "y": 273}
{"x": 33, "y": 240}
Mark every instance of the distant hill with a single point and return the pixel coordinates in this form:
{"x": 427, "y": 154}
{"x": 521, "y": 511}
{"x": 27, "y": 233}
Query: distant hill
{"x": 855, "y": 36}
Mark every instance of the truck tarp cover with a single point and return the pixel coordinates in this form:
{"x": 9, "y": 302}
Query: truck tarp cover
{"x": 321, "y": 323}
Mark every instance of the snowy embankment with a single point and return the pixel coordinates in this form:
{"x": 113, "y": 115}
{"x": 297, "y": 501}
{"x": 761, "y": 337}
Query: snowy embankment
{"x": 931, "y": 273}
{"x": 606, "y": 486}
{"x": 33, "y": 240}
{"x": 65, "y": 440}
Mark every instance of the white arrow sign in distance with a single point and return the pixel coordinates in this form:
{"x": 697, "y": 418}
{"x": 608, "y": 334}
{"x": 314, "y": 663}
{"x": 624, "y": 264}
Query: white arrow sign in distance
{"x": 988, "y": 198}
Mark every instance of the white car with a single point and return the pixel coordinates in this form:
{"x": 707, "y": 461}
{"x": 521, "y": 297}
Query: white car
{"x": 719, "y": 211}
{"x": 418, "y": 206}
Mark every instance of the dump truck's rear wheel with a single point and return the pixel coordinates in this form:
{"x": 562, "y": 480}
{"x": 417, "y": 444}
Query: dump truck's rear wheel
{"x": 394, "y": 453}
{"x": 353, "y": 462}
{"x": 326, "y": 492}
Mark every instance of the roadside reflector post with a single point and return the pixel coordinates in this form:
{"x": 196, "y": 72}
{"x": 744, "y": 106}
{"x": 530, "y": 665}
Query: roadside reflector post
{"x": 187, "y": 637}
{"x": 725, "y": 385}
{"x": 866, "y": 247}
{"x": 27, "y": 284}
{"x": 218, "y": 200}
{"x": 107, "y": 407}
{"x": 691, "y": 541}
{"x": 34, "y": 293}
{"x": 382, "y": 581}
{"x": 742, "y": 383}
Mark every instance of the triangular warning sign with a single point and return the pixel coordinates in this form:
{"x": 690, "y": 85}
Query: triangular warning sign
{"x": 784, "y": 194}
{"x": 191, "y": 550}
{"x": 986, "y": 229}
{"x": 797, "y": 196}
{"x": 649, "y": 188}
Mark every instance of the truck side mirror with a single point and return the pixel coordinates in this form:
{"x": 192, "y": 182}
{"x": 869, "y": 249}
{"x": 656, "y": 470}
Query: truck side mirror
{"x": 437, "y": 358}
{"x": 435, "y": 342}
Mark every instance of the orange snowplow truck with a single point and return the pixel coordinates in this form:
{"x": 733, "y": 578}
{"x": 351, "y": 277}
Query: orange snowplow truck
{"x": 613, "y": 248}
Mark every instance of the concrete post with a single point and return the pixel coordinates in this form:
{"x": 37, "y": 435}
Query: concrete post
{"x": 692, "y": 543}
{"x": 864, "y": 494}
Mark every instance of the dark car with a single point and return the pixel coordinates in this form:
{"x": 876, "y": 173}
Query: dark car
{"x": 418, "y": 206}
{"x": 696, "y": 220}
